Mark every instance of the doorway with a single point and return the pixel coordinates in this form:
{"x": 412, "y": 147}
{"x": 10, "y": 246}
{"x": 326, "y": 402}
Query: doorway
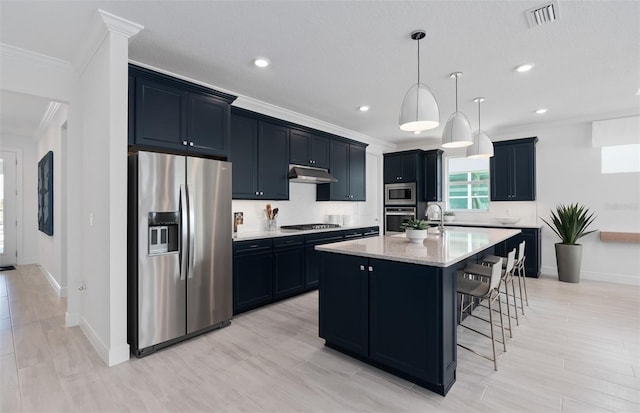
{"x": 8, "y": 209}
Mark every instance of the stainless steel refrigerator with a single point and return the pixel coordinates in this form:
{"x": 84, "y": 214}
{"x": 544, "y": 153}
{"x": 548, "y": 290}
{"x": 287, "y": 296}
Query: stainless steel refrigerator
{"x": 180, "y": 248}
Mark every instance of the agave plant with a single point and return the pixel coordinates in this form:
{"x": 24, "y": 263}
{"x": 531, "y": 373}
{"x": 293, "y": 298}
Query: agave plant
{"x": 570, "y": 222}
{"x": 415, "y": 224}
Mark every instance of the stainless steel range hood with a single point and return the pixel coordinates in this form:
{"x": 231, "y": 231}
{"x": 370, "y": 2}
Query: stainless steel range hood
{"x": 309, "y": 175}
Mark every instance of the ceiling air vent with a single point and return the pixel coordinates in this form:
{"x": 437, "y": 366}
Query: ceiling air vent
{"x": 539, "y": 16}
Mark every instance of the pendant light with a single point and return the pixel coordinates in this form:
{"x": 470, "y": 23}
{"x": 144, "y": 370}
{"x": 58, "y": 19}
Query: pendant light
{"x": 419, "y": 110}
{"x": 482, "y": 146}
{"x": 457, "y": 130}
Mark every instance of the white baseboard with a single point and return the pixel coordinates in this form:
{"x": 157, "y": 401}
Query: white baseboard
{"x": 26, "y": 260}
{"x": 597, "y": 276}
{"x": 109, "y": 357}
{"x": 61, "y": 291}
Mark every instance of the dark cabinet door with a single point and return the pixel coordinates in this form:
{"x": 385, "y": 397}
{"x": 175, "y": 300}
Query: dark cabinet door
{"x": 208, "y": 125}
{"x": 160, "y": 114}
{"x": 299, "y": 147}
{"x": 392, "y": 169}
{"x": 344, "y": 318}
{"x": 273, "y": 161}
{"x": 252, "y": 280}
{"x": 524, "y": 177}
{"x": 405, "y": 308}
{"x": 288, "y": 271}
{"x": 244, "y": 157}
{"x": 339, "y": 191}
{"x": 131, "y": 110}
{"x": 501, "y": 173}
{"x": 432, "y": 176}
{"x": 357, "y": 173}
{"x": 319, "y": 151}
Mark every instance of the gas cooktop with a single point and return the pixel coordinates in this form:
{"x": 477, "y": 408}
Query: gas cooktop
{"x": 307, "y": 227}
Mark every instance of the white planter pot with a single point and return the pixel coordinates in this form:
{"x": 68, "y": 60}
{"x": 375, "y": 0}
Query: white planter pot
{"x": 416, "y": 236}
{"x": 448, "y": 218}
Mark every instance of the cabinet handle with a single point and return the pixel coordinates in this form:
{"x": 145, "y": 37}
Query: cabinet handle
{"x": 184, "y": 143}
{"x": 257, "y": 193}
{"x": 362, "y": 268}
{"x": 191, "y": 143}
{"x": 261, "y": 193}
{"x": 370, "y": 268}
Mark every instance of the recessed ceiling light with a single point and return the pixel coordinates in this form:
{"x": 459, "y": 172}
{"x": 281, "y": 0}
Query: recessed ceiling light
{"x": 261, "y": 62}
{"x": 363, "y": 108}
{"x": 524, "y": 67}
{"x": 541, "y": 111}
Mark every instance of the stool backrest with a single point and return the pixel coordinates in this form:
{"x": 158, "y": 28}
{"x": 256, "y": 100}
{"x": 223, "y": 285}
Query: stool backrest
{"x": 511, "y": 259}
{"x": 521, "y": 251}
{"x": 496, "y": 274}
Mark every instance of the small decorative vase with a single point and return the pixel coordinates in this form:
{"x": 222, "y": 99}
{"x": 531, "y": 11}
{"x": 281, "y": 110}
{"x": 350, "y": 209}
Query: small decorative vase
{"x": 417, "y": 236}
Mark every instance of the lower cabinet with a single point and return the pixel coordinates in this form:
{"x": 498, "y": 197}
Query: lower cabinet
{"x": 288, "y": 266}
{"x": 532, "y": 249}
{"x": 312, "y": 257}
{"x": 252, "y": 274}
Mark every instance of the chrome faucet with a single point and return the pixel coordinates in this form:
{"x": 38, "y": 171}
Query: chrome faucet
{"x": 441, "y": 226}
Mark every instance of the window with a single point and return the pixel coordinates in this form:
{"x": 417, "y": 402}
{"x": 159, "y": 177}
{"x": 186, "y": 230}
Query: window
{"x": 468, "y": 184}
{"x": 620, "y": 159}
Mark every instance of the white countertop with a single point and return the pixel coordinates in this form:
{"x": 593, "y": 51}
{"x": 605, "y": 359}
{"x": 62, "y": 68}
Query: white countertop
{"x": 492, "y": 224}
{"x": 251, "y": 235}
{"x": 453, "y": 246}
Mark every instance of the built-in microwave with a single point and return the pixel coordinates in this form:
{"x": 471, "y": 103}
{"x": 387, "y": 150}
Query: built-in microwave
{"x": 400, "y": 194}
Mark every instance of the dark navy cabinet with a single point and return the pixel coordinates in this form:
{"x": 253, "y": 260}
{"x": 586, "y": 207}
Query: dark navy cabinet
{"x": 252, "y": 274}
{"x": 308, "y": 149}
{"x": 288, "y": 266}
{"x": 532, "y": 249}
{"x": 347, "y": 163}
{"x": 401, "y": 166}
{"x": 344, "y": 302}
{"x": 177, "y": 116}
{"x": 513, "y": 170}
{"x": 260, "y": 158}
{"x": 432, "y": 176}
{"x": 312, "y": 257}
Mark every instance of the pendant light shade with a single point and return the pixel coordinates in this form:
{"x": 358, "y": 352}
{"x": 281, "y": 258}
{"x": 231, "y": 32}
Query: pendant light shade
{"x": 457, "y": 130}
{"x": 419, "y": 110}
{"x": 482, "y": 146}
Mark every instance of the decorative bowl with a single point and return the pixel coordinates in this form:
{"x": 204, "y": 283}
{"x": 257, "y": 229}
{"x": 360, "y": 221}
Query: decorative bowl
{"x": 508, "y": 220}
{"x": 417, "y": 236}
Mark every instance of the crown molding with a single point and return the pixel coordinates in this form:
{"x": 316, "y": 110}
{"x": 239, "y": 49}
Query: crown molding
{"x": 21, "y": 55}
{"x": 103, "y": 24}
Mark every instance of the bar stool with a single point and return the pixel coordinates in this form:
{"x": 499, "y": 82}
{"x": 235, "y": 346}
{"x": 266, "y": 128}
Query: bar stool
{"x": 519, "y": 270}
{"x": 483, "y": 290}
{"x": 507, "y": 277}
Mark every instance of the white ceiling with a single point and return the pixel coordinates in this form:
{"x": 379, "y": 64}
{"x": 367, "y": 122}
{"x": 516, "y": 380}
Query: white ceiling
{"x": 329, "y": 57}
{"x": 21, "y": 115}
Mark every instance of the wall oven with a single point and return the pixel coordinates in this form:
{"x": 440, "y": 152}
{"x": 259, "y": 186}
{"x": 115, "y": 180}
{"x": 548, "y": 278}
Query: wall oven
{"x": 400, "y": 194}
{"x": 394, "y": 217}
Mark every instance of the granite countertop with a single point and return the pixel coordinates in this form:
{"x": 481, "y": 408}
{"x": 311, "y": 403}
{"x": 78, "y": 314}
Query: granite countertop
{"x": 454, "y": 245}
{"x": 251, "y": 235}
{"x": 492, "y": 224}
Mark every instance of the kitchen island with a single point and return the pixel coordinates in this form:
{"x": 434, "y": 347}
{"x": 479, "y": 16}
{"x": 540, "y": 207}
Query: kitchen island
{"x": 392, "y": 303}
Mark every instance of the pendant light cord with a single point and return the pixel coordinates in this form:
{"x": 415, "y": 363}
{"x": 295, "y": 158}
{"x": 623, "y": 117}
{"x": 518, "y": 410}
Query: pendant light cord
{"x": 418, "y": 61}
{"x": 456, "y": 92}
{"x": 479, "y": 118}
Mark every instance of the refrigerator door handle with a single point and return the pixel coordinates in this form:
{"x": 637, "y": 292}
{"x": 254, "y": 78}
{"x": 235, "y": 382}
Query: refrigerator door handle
{"x": 192, "y": 233}
{"x": 184, "y": 231}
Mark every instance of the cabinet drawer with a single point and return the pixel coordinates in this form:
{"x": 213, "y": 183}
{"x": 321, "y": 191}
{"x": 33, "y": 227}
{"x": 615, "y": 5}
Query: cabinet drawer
{"x": 355, "y": 233}
{"x": 258, "y": 245}
{"x": 286, "y": 242}
{"x": 323, "y": 238}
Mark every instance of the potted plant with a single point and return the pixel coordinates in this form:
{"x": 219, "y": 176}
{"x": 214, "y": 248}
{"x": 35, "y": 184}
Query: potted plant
{"x": 570, "y": 223}
{"x": 415, "y": 230}
{"x": 448, "y": 216}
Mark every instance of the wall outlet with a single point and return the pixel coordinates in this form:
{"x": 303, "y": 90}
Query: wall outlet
{"x": 82, "y": 287}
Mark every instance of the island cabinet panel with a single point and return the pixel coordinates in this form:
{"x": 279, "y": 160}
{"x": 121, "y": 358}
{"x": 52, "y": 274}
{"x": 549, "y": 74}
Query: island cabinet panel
{"x": 407, "y": 343}
{"x": 252, "y": 274}
{"x": 308, "y": 149}
{"x": 513, "y": 170}
{"x": 288, "y": 266}
{"x": 344, "y": 302}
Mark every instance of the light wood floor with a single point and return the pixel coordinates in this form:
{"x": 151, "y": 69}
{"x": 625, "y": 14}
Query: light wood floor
{"x": 577, "y": 350}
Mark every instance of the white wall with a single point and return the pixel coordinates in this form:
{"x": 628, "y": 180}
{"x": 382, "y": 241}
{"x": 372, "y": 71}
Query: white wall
{"x": 50, "y": 247}
{"x": 568, "y": 171}
{"x": 27, "y": 196}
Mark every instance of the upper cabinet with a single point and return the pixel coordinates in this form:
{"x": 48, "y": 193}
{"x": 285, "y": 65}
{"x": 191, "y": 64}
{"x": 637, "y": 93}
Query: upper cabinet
{"x": 513, "y": 170}
{"x": 260, "y": 158}
{"x": 401, "y": 167}
{"x": 308, "y": 149}
{"x": 177, "y": 116}
{"x": 432, "y": 176}
{"x": 347, "y": 163}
